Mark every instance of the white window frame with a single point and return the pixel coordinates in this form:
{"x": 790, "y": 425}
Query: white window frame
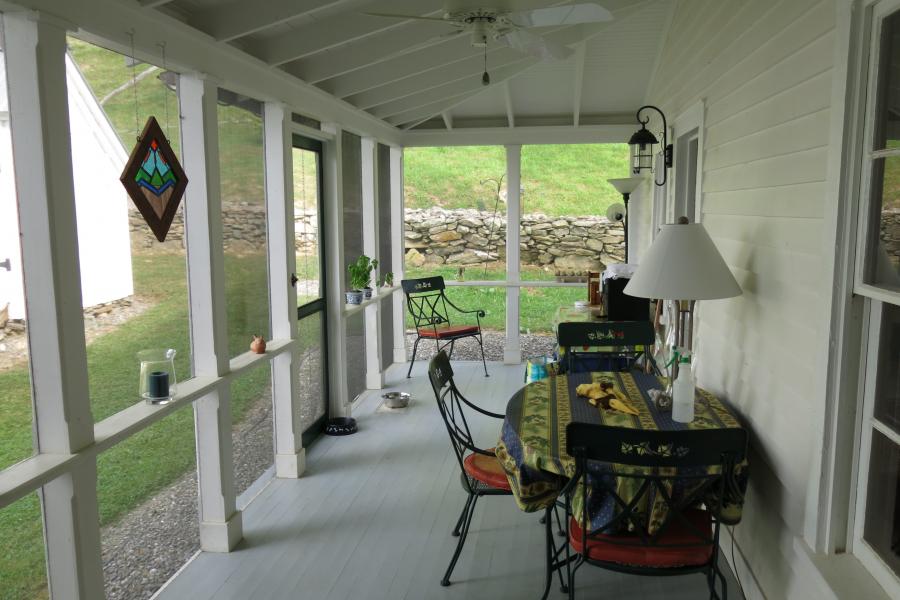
{"x": 687, "y": 126}
{"x": 873, "y": 297}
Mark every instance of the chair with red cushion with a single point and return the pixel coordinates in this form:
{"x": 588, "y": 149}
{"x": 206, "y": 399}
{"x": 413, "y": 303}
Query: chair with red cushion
{"x": 480, "y": 472}
{"x": 681, "y": 471}
{"x": 427, "y": 304}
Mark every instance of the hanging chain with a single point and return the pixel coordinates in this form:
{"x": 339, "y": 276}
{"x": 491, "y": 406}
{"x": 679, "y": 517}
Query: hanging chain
{"x": 137, "y": 119}
{"x": 165, "y": 67}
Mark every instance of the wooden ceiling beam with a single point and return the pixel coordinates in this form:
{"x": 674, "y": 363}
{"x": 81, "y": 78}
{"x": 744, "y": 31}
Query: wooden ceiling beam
{"x": 452, "y": 89}
{"x": 405, "y": 39}
{"x": 234, "y": 20}
{"x": 331, "y": 32}
{"x": 578, "y": 83}
{"x": 418, "y": 115}
{"x": 414, "y": 84}
{"x": 507, "y": 96}
{"x": 402, "y": 67}
{"x": 493, "y": 132}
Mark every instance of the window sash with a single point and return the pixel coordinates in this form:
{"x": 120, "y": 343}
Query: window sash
{"x": 867, "y": 226}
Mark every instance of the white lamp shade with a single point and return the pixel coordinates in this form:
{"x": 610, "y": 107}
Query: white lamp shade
{"x": 626, "y": 185}
{"x": 683, "y": 264}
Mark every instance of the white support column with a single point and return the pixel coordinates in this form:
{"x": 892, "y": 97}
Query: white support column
{"x": 512, "y": 354}
{"x": 374, "y": 376}
{"x": 290, "y": 457}
{"x": 220, "y": 521}
{"x": 338, "y": 403}
{"x": 398, "y": 252}
{"x": 35, "y": 48}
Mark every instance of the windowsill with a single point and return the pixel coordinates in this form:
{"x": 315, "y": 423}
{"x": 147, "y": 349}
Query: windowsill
{"x": 351, "y": 309}
{"x": 846, "y": 576}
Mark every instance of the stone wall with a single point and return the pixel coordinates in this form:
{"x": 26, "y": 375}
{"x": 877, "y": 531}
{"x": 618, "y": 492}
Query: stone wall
{"x": 570, "y": 244}
{"x": 243, "y": 228}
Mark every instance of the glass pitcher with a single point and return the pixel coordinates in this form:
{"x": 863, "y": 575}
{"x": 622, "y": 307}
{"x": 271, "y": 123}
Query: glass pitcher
{"x": 157, "y": 378}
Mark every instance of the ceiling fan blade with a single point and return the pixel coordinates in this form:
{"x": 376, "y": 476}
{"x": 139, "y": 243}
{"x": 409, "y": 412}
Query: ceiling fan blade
{"x": 535, "y": 45}
{"x": 396, "y": 16}
{"x": 571, "y": 14}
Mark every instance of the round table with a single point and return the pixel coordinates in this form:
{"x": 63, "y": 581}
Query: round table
{"x": 532, "y": 445}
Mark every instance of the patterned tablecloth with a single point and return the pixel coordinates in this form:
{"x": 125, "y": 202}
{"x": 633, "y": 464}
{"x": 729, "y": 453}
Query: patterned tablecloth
{"x": 532, "y": 446}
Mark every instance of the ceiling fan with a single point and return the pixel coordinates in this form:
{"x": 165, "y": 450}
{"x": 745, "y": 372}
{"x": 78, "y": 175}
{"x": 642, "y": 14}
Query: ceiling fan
{"x": 511, "y": 27}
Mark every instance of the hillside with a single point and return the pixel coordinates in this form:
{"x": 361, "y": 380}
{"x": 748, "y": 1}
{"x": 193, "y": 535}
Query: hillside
{"x": 557, "y": 179}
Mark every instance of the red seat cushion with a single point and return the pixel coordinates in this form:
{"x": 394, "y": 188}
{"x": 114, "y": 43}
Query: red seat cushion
{"x": 650, "y": 556}
{"x": 445, "y": 332}
{"x": 486, "y": 469}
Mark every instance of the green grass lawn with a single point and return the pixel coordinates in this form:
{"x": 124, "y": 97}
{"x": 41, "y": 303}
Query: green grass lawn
{"x": 240, "y": 132}
{"x": 152, "y": 459}
{"x": 557, "y": 179}
{"x": 536, "y": 305}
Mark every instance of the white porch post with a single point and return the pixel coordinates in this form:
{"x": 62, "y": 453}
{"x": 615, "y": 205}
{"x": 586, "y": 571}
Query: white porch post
{"x": 374, "y": 376}
{"x": 220, "y": 521}
{"x": 398, "y": 252}
{"x": 35, "y": 48}
{"x": 290, "y": 458}
{"x": 339, "y": 403}
{"x": 512, "y": 354}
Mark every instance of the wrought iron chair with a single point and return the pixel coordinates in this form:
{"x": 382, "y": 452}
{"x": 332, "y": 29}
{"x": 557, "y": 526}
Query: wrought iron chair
{"x": 684, "y": 540}
{"x": 605, "y": 345}
{"x": 427, "y": 304}
{"x": 480, "y": 472}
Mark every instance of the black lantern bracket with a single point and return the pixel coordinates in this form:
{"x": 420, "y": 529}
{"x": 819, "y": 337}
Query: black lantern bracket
{"x": 642, "y": 143}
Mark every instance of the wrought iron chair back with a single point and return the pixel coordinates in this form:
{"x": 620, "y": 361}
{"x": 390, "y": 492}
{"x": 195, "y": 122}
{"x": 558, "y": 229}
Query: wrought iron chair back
{"x": 428, "y": 304}
{"x": 479, "y": 481}
{"x": 426, "y": 301}
{"x": 683, "y": 468}
{"x": 623, "y": 338}
{"x": 452, "y": 406}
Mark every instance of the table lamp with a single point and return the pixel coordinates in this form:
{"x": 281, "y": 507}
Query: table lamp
{"x": 684, "y": 265}
{"x": 625, "y": 187}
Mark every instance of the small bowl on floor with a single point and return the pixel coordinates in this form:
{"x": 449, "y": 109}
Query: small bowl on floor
{"x": 396, "y": 399}
{"x": 340, "y": 426}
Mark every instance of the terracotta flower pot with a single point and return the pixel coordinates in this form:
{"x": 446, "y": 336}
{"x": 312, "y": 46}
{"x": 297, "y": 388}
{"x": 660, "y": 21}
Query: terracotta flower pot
{"x": 258, "y": 345}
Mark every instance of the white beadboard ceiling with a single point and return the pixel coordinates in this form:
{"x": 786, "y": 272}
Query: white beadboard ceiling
{"x": 405, "y": 73}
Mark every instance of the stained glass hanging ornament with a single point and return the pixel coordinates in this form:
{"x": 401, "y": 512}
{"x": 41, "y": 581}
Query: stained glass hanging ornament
{"x": 154, "y": 179}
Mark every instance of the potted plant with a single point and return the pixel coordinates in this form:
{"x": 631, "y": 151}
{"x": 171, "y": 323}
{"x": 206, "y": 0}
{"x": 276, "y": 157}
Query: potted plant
{"x": 387, "y": 280}
{"x": 371, "y": 264}
{"x": 360, "y": 276}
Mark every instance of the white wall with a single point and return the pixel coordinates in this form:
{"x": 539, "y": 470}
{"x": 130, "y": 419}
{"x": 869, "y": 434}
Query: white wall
{"x": 101, "y": 202}
{"x": 104, "y": 243}
{"x": 764, "y": 70}
{"x": 10, "y": 281}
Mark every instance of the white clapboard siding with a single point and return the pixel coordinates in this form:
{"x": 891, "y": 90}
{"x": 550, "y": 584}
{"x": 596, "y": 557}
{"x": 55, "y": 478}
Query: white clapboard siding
{"x": 764, "y": 72}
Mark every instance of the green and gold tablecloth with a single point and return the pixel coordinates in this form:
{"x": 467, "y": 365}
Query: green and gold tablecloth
{"x": 532, "y": 446}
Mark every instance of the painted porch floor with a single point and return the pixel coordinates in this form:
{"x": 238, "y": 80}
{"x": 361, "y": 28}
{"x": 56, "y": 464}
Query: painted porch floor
{"x": 372, "y": 515}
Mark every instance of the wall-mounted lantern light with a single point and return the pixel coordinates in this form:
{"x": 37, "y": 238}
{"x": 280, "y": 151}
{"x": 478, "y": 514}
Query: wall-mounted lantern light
{"x": 642, "y": 143}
